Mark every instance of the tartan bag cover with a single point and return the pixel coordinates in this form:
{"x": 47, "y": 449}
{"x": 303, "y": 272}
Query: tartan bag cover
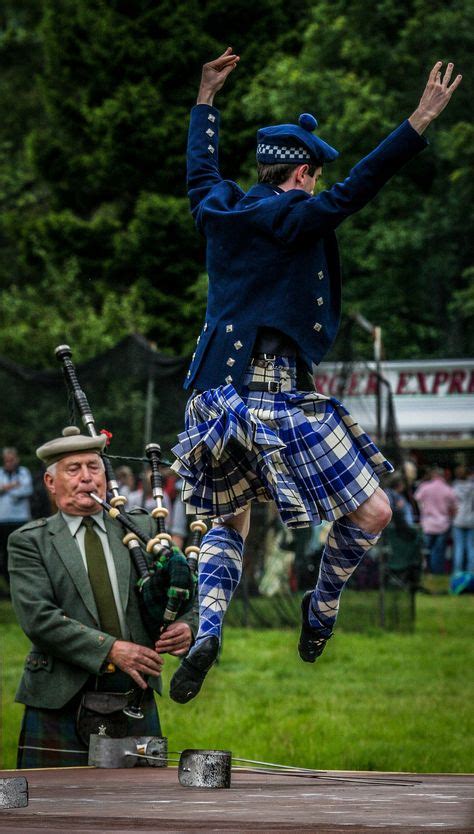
{"x": 171, "y": 585}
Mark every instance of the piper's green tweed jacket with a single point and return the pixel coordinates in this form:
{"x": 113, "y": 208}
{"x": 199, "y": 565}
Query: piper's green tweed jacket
{"x": 55, "y": 607}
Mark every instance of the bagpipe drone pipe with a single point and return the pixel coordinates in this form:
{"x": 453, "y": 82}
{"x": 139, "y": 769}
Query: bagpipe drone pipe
{"x": 166, "y": 577}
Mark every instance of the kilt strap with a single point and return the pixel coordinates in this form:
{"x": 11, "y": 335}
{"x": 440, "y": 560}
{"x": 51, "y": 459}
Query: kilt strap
{"x": 271, "y": 387}
{"x": 270, "y": 374}
{"x": 271, "y": 361}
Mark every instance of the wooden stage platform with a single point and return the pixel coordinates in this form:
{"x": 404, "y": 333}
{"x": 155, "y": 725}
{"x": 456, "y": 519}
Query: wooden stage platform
{"x": 146, "y": 799}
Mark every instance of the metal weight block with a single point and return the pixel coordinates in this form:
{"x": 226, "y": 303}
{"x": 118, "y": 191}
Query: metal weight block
{"x": 127, "y": 752}
{"x": 13, "y": 792}
{"x": 112, "y": 752}
{"x": 205, "y": 768}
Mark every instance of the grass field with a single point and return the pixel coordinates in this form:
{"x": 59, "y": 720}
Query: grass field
{"x": 374, "y": 701}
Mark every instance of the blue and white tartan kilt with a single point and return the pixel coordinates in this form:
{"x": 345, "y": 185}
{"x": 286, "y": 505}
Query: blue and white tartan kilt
{"x": 302, "y": 450}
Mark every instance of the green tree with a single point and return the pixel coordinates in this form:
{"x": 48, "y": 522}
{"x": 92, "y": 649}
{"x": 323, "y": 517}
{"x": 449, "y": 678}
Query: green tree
{"x": 108, "y": 157}
{"x": 20, "y": 61}
{"x": 95, "y": 98}
{"x": 67, "y": 316}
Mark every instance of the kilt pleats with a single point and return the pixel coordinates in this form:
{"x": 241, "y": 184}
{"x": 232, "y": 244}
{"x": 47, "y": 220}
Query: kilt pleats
{"x": 300, "y": 449}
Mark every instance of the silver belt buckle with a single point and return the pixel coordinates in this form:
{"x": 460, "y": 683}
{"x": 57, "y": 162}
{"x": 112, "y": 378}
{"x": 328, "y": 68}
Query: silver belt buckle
{"x": 262, "y": 357}
{"x": 274, "y": 387}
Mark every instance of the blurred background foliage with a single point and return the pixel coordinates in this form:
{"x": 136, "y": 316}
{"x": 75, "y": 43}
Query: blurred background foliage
{"x": 96, "y": 240}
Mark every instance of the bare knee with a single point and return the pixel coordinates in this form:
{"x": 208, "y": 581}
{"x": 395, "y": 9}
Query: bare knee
{"x": 385, "y": 514}
{"x": 239, "y": 522}
{"x": 374, "y": 514}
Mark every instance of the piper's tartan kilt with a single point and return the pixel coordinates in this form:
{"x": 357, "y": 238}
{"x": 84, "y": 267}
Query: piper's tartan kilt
{"x": 300, "y": 449}
{"x": 56, "y": 729}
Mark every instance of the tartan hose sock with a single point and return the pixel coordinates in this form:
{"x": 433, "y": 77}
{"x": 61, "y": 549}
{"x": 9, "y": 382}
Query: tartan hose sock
{"x": 345, "y": 548}
{"x": 220, "y": 569}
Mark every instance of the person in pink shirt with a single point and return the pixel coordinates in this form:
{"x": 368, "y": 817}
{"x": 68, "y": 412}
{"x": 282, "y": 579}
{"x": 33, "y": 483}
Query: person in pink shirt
{"x": 438, "y": 504}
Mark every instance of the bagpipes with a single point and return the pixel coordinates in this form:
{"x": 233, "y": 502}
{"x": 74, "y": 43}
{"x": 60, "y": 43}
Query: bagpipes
{"x": 166, "y": 577}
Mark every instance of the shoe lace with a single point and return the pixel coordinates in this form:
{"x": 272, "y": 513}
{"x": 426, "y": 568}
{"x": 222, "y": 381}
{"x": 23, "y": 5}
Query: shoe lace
{"x": 320, "y": 641}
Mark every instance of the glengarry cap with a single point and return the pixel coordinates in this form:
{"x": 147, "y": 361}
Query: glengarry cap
{"x": 71, "y": 442}
{"x": 294, "y": 144}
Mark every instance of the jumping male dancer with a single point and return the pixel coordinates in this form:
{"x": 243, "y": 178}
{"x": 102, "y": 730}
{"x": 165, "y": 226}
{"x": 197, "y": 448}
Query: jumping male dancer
{"x": 273, "y": 305}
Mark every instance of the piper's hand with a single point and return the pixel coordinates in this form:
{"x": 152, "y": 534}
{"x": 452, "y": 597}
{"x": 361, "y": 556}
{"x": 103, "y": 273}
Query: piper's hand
{"x": 214, "y": 75}
{"x": 436, "y": 96}
{"x": 176, "y": 640}
{"x": 133, "y": 659}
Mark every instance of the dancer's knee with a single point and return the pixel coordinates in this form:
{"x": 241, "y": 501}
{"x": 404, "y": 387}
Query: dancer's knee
{"x": 239, "y": 522}
{"x": 374, "y": 514}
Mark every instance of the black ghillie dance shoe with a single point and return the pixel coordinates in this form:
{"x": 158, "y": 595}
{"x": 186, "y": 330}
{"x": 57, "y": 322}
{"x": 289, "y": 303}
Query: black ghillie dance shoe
{"x": 189, "y": 677}
{"x": 312, "y": 640}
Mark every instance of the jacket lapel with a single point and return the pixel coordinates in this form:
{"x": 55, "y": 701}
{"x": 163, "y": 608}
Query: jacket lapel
{"x": 121, "y": 558}
{"x": 70, "y": 555}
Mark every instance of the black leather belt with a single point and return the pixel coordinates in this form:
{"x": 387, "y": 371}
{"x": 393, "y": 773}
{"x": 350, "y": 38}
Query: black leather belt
{"x": 271, "y": 387}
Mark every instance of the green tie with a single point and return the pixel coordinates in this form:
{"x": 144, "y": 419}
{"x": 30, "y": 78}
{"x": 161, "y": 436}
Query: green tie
{"x": 100, "y": 580}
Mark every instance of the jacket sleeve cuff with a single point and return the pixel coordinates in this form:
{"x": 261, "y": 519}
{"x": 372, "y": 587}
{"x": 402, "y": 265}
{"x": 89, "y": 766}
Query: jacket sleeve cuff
{"x": 413, "y": 134}
{"x": 106, "y": 641}
{"x": 205, "y": 109}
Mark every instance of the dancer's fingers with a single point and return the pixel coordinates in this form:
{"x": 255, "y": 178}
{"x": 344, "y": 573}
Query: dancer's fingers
{"x": 447, "y": 75}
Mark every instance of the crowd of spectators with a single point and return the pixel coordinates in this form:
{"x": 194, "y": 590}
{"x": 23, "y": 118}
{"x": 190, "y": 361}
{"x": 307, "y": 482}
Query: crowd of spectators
{"x": 431, "y": 533}
{"x": 440, "y": 505}
{"x": 16, "y": 490}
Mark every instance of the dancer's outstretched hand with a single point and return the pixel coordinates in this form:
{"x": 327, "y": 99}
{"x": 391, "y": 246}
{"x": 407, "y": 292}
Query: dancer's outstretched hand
{"x": 436, "y": 96}
{"x": 214, "y": 75}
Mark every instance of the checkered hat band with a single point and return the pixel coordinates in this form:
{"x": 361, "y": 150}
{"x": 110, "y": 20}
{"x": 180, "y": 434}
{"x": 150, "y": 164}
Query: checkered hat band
{"x": 283, "y": 153}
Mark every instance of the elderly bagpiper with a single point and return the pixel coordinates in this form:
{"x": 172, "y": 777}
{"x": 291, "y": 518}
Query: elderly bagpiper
{"x": 73, "y": 590}
{"x": 273, "y": 308}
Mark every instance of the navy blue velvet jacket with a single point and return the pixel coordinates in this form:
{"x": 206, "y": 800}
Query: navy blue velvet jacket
{"x": 272, "y": 256}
